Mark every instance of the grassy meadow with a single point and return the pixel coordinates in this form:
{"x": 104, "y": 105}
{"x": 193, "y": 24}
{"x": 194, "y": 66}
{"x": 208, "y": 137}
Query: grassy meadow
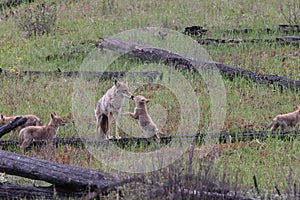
{"x": 249, "y": 106}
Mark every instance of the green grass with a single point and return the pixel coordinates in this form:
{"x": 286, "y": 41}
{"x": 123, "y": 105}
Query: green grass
{"x": 271, "y": 161}
{"x": 248, "y": 105}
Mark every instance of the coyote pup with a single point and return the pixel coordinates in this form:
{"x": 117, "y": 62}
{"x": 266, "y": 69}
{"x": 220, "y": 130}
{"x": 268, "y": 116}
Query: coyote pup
{"x": 32, "y": 120}
{"x": 109, "y": 107}
{"x": 39, "y": 133}
{"x": 145, "y": 121}
{"x": 284, "y": 120}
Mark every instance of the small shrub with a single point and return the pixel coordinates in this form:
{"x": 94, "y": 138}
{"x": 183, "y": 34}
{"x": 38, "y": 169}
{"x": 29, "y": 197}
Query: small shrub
{"x": 38, "y": 20}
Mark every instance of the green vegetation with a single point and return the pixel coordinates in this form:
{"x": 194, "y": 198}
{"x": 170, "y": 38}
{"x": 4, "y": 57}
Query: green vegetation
{"x": 79, "y": 25}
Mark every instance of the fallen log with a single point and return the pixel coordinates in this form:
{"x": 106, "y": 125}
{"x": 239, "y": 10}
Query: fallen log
{"x": 18, "y": 121}
{"x": 157, "y": 55}
{"x": 289, "y": 39}
{"x": 284, "y": 40}
{"x": 249, "y": 30}
{"x": 81, "y": 142}
{"x": 90, "y": 74}
{"x": 195, "y": 30}
{"x": 63, "y": 177}
{"x": 223, "y": 137}
{"x": 15, "y": 191}
{"x": 289, "y": 28}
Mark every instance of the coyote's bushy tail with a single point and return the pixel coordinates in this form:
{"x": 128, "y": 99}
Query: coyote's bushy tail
{"x": 20, "y": 136}
{"x": 104, "y": 123}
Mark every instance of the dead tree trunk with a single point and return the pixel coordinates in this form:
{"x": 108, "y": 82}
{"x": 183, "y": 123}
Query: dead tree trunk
{"x": 63, "y": 177}
{"x": 18, "y": 121}
{"x": 157, "y": 55}
{"x": 90, "y": 74}
{"x": 15, "y": 191}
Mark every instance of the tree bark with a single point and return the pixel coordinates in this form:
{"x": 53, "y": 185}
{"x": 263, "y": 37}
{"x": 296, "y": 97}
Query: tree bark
{"x": 60, "y": 175}
{"x": 91, "y": 74}
{"x": 225, "y": 137}
{"x": 157, "y": 55}
{"x": 18, "y": 121}
{"x": 15, "y": 191}
{"x": 289, "y": 39}
{"x": 81, "y": 142}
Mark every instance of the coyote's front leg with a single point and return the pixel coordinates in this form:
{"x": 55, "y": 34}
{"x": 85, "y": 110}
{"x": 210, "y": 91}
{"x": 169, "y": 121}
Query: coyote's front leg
{"x": 134, "y": 115}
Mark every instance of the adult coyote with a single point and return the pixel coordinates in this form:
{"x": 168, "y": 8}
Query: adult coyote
{"x": 109, "y": 107}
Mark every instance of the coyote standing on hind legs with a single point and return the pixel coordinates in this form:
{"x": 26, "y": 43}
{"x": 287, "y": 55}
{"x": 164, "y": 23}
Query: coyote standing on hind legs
{"x": 284, "y": 120}
{"x": 145, "y": 121}
{"x": 109, "y": 107}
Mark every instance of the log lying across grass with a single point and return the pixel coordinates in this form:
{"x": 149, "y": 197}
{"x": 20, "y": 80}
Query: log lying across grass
{"x": 285, "y": 28}
{"x": 73, "y": 182}
{"x": 223, "y": 137}
{"x": 81, "y": 142}
{"x": 289, "y": 40}
{"x": 157, "y": 55}
{"x": 91, "y": 74}
{"x": 66, "y": 179}
{"x": 15, "y": 191}
{"x": 284, "y": 40}
{"x": 18, "y": 121}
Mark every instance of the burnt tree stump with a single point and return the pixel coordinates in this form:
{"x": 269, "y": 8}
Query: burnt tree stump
{"x": 18, "y": 121}
{"x": 157, "y": 55}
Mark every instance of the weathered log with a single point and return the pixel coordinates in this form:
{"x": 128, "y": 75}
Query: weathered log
{"x": 289, "y": 39}
{"x": 284, "y": 40}
{"x": 15, "y": 191}
{"x": 249, "y": 30}
{"x": 60, "y": 175}
{"x": 91, "y": 74}
{"x": 195, "y": 30}
{"x": 18, "y": 121}
{"x": 81, "y": 142}
{"x": 223, "y": 137}
{"x": 289, "y": 28}
{"x": 157, "y": 55}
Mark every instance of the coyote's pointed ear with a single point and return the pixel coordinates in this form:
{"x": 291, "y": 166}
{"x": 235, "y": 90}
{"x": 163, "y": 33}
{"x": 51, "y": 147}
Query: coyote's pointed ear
{"x": 296, "y": 105}
{"x": 52, "y": 115}
{"x": 1, "y": 116}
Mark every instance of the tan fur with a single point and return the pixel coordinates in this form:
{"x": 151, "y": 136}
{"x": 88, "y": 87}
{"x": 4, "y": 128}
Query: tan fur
{"x": 40, "y": 133}
{"x": 109, "y": 107}
{"x": 32, "y": 120}
{"x": 286, "y": 120}
{"x": 145, "y": 121}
